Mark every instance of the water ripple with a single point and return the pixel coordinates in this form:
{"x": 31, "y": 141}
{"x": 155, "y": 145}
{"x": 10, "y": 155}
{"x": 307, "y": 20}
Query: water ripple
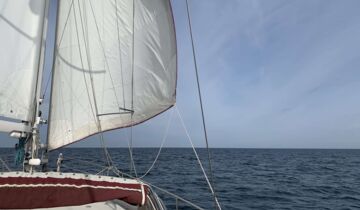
{"x": 244, "y": 178}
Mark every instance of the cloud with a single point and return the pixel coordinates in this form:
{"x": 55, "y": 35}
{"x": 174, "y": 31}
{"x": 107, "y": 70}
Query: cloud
{"x": 273, "y": 74}
{"x": 268, "y": 68}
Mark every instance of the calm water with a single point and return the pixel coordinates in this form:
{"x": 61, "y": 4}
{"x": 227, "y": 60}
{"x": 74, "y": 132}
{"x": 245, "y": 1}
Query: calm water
{"x": 245, "y": 178}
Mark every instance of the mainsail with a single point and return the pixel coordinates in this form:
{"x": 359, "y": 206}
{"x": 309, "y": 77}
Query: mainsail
{"x": 21, "y": 26}
{"x": 115, "y": 66}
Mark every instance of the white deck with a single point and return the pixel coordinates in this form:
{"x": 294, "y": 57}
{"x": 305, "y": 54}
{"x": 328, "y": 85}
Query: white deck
{"x": 70, "y": 175}
{"x": 108, "y": 205}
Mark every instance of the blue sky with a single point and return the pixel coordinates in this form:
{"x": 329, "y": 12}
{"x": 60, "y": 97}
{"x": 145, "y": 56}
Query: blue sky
{"x": 274, "y": 74}
{"x": 277, "y": 73}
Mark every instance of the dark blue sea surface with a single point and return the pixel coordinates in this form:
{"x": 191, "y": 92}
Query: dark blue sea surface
{"x": 244, "y": 178}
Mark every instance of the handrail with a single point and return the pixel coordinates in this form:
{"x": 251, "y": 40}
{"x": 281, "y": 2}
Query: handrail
{"x": 175, "y": 196}
{"x": 120, "y": 173}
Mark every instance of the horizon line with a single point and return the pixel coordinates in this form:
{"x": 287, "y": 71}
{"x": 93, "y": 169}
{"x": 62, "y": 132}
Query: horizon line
{"x": 259, "y": 148}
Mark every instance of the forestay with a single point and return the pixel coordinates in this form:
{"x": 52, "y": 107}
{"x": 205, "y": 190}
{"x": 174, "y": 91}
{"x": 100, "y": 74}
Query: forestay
{"x": 115, "y": 65}
{"x": 21, "y": 26}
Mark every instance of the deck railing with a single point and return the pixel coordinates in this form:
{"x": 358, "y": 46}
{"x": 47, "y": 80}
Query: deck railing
{"x": 178, "y": 199}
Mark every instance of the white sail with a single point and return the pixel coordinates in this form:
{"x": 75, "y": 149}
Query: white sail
{"x": 21, "y": 26}
{"x": 113, "y": 58}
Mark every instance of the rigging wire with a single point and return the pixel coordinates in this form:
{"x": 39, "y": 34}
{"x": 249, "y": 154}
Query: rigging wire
{"x": 161, "y": 146}
{"x": 102, "y": 141}
{"x": 120, "y": 53}
{"x": 60, "y": 41}
{"x": 132, "y": 163}
{"x": 105, "y": 58}
{"x": 35, "y": 140}
{"x": 198, "y": 159}
{"x": 210, "y": 182}
{"x": 47, "y": 84}
{"x": 200, "y": 100}
{"x": 97, "y": 120}
{"x": 4, "y": 164}
{"x": 119, "y": 173}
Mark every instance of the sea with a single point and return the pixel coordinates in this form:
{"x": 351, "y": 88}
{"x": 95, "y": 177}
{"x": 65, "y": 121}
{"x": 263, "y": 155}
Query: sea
{"x": 243, "y": 178}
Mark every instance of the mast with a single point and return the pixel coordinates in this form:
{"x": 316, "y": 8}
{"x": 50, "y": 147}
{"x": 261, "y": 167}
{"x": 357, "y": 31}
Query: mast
{"x": 21, "y": 24}
{"x": 36, "y": 119}
{"x": 46, "y": 154}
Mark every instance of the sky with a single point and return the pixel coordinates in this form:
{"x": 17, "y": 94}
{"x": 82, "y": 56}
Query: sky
{"x": 273, "y": 74}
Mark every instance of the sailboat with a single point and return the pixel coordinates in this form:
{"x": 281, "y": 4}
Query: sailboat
{"x": 114, "y": 66}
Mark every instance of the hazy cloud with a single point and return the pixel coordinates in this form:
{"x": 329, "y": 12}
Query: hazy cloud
{"x": 273, "y": 74}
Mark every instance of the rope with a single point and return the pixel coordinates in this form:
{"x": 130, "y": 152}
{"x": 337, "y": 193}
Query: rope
{"x": 105, "y": 58}
{"x": 104, "y": 169}
{"x": 161, "y": 189}
{"x": 92, "y": 163}
{"x": 102, "y": 141}
{"x": 198, "y": 159}
{"x": 97, "y": 121}
{"x": 74, "y": 169}
{"x": 132, "y": 162}
{"x": 20, "y": 151}
{"x": 83, "y": 161}
{"x": 4, "y": 164}
{"x": 200, "y": 100}
{"x": 161, "y": 146}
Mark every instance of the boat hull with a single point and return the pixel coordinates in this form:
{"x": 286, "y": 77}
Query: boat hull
{"x": 19, "y": 190}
